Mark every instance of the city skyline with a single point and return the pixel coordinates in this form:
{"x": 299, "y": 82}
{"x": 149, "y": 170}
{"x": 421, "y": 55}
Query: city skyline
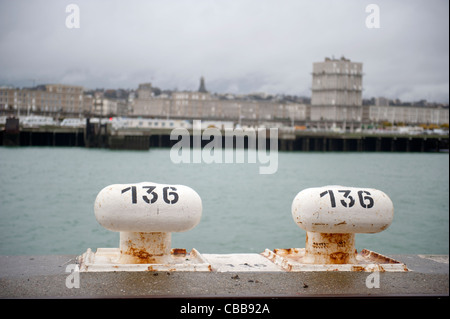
{"x": 239, "y": 47}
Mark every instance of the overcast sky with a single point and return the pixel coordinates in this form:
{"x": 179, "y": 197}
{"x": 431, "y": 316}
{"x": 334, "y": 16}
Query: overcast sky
{"x": 240, "y": 46}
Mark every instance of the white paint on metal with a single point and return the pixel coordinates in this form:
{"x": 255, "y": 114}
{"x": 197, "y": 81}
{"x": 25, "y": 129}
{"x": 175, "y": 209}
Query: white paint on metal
{"x": 331, "y": 215}
{"x": 108, "y": 260}
{"x": 145, "y": 214}
{"x": 137, "y": 247}
{"x": 341, "y": 209}
{"x": 241, "y": 263}
{"x": 148, "y": 207}
{"x": 329, "y": 248}
{"x": 292, "y": 260}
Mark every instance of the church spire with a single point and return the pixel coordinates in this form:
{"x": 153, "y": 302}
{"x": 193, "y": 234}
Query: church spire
{"x": 202, "y": 87}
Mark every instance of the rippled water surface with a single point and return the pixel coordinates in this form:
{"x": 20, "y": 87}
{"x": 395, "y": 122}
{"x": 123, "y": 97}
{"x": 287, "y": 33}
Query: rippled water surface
{"x": 47, "y": 196}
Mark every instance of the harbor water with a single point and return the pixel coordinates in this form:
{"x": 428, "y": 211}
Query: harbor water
{"x": 47, "y": 198}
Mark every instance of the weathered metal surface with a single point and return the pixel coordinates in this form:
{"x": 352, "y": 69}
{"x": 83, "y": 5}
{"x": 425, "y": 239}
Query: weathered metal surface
{"x": 145, "y": 214}
{"x": 342, "y": 209}
{"x": 148, "y": 207}
{"x": 329, "y": 248}
{"x": 249, "y": 262}
{"x": 278, "y": 260}
{"x": 109, "y": 259}
{"x": 145, "y": 225}
{"x": 293, "y": 259}
{"x": 143, "y": 248}
{"x": 331, "y": 215}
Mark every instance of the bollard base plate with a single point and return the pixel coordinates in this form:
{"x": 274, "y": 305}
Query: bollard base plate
{"x": 291, "y": 259}
{"x": 108, "y": 259}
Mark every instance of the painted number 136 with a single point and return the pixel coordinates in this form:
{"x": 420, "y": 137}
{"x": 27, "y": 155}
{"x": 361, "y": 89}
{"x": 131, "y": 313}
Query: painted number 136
{"x": 169, "y": 197}
{"x": 365, "y": 200}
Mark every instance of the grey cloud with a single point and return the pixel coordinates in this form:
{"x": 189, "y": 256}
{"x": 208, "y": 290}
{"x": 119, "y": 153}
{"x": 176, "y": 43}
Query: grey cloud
{"x": 241, "y": 46}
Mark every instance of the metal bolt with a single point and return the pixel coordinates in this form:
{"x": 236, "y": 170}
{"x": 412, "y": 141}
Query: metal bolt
{"x": 146, "y": 214}
{"x": 331, "y": 215}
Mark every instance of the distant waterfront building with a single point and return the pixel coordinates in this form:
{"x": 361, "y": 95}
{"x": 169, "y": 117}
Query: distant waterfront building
{"x": 203, "y": 105}
{"x": 344, "y": 110}
{"x": 337, "y": 82}
{"x": 144, "y": 91}
{"x": 106, "y": 107}
{"x": 49, "y": 98}
{"x": 337, "y": 92}
{"x": 381, "y": 101}
{"x": 257, "y": 110}
{"x": 408, "y": 115}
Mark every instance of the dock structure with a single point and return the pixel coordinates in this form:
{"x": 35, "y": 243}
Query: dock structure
{"x": 232, "y": 276}
{"x": 103, "y": 137}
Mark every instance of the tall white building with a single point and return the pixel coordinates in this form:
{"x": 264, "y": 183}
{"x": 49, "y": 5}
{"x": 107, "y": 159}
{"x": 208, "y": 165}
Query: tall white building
{"x": 337, "y": 82}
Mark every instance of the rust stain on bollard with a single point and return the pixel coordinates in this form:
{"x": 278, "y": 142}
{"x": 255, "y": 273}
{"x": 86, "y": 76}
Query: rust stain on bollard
{"x": 178, "y": 251}
{"x": 331, "y": 215}
{"x": 145, "y": 215}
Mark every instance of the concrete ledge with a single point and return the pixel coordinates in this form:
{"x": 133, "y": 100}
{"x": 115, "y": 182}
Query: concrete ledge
{"x": 46, "y": 276}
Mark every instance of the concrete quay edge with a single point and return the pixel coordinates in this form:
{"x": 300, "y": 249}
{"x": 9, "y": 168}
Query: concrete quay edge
{"x": 47, "y": 276}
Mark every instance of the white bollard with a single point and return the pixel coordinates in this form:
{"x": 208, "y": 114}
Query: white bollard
{"x": 146, "y": 214}
{"x": 331, "y": 215}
